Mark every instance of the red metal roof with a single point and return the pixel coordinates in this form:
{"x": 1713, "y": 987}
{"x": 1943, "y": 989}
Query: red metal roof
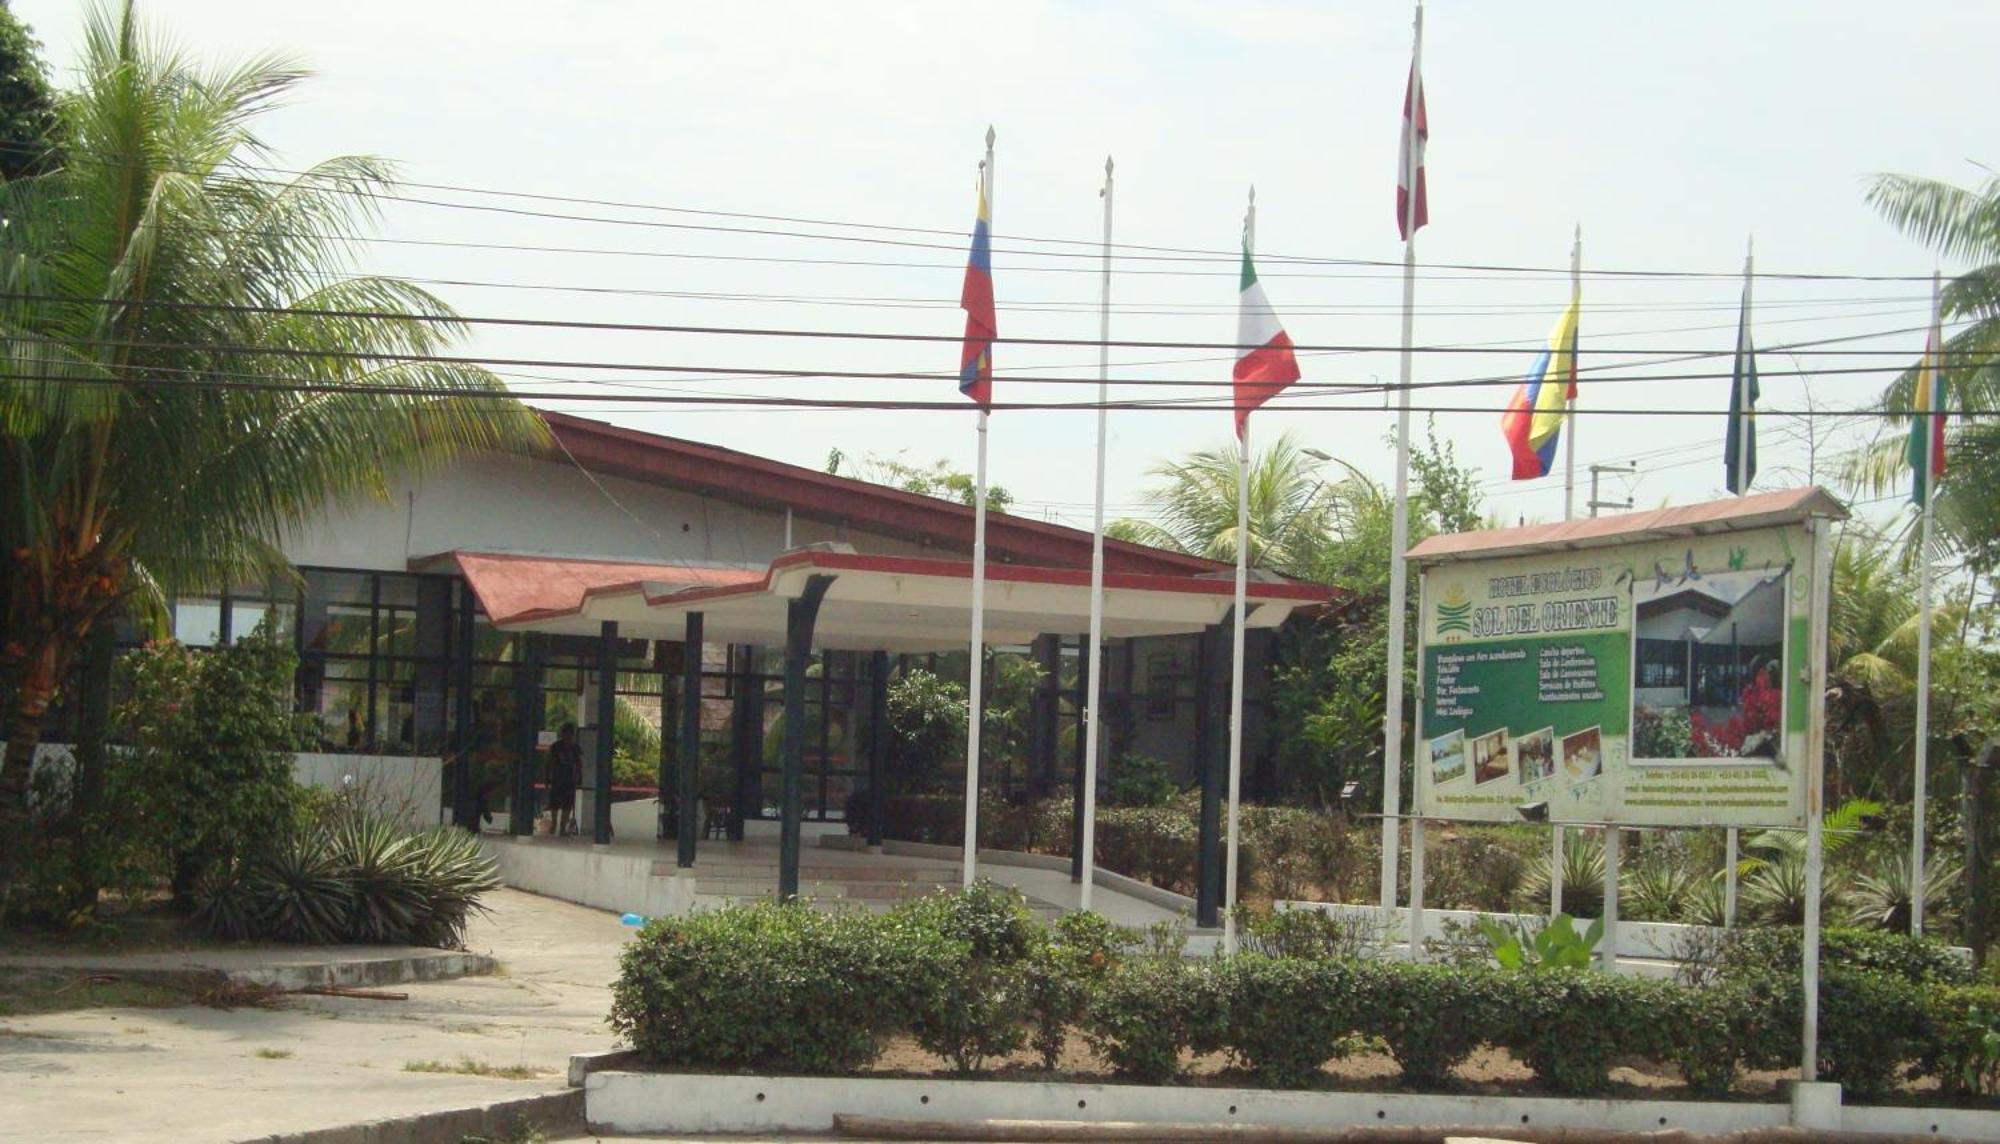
{"x": 518, "y": 589}
{"x": 1732, "y": 514}
{"x": 727, "y": 474}
{"x": 1287, "y": 590}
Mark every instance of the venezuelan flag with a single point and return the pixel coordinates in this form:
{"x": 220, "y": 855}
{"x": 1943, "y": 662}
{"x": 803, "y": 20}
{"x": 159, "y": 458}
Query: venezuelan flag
{"x": 975, "y": 362}
{"x": 1534, "y": 418}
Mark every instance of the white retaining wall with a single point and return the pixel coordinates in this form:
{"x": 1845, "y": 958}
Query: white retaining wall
{"x": 402, "y": 787}
{"x": 621, "y": 881}
{"x": 1650, "y": 941}
{"x": 632, "y": 1102}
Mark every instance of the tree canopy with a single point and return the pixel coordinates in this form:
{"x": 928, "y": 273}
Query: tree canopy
{"x": 191, "y": 365}
{"x": 28, "y": 119}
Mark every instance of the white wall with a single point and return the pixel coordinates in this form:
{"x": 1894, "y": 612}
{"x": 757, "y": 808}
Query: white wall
{"x": 401, "y": 787}
{"x": 518, "y": 504}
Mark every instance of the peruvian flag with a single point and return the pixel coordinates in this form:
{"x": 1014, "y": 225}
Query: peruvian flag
{"x": 1265, "y": 364}
{"x": 1410, "y": 163}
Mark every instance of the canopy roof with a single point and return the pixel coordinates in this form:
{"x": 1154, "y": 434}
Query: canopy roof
{"x": 1732, "y": 514}
{"x": 875, "y": 603}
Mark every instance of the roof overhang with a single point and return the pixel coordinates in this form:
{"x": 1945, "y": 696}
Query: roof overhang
{"x": 874, "y": 603}
{"x": 1733, "y": 514}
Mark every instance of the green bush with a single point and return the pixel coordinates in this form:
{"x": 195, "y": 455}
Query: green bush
{"x": 1870, "y": 1025}
{"x": 209, "y": 733}
{"x": 975, "y": 1011}
{"x": 1061, "y": 974}
{"x": 1926, "y": 961}
{"x": 1706, "y": 1032}
{"x": 773, "y": 986}
{"x": 1964, "y": 1052}
{"x": 1568, "y": 1026}
{"x": 1431, "y": 1017}
{"x": 1287, "y": 1016}
{"x": 1140, "y": 780}
{"x": 1309, "y": 933}
{"x": 350, "y": 879}
{"x": 1149, "y": 1009}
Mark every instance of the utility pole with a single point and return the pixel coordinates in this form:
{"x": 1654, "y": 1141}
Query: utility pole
{"x": 1595, "y": 470}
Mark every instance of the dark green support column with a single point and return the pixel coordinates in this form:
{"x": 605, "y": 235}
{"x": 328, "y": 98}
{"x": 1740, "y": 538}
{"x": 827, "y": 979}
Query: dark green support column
{"x": 878, "y": 745}
{"x": 461, "y": 775}
{"x": 527, "y": 727}
{"x": 800, "y": 616}
{"x": 746, "y": 741}
{"x": 1211, "y": 739}
{"x": 607, "y": 717}
{"x": 666, "y": 780}
{"x": 1042, "y": 733}
{"x": 688, "y": 785}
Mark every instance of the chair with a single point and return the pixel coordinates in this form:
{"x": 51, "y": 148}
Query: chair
{"x": 715, "y": 822}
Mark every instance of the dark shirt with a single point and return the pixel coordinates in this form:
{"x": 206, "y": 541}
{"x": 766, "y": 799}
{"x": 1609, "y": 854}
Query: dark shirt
{"x": 565, "y": 763}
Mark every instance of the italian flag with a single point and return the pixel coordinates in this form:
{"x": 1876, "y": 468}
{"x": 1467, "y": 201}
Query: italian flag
{"x": 1927, "y": 403}
{"x": 1265, "y": 363}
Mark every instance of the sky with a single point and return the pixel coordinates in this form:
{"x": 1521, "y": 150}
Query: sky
{"x": 1671, "y": 134}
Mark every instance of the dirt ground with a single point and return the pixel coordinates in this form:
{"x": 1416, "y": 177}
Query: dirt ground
{"x": 1486, "y": 1071}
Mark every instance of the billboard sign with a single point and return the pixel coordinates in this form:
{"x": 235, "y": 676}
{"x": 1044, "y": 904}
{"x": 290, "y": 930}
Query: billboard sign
{"x": 1654, "y": 681}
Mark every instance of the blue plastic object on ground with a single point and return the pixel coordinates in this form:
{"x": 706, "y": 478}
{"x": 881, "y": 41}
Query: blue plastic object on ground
{"x": 633, "y": 920}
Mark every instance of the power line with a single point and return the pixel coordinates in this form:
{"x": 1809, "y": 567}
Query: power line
{"x": 1223, "y": 259}
{"x": 883, "y": 335}
{"x": 313, "y": 385}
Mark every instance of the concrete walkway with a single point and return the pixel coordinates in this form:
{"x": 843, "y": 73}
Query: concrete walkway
{"x": 198, "y": 1074}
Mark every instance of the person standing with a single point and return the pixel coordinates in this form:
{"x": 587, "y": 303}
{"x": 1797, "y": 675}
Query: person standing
{"x": 565, "y": 769}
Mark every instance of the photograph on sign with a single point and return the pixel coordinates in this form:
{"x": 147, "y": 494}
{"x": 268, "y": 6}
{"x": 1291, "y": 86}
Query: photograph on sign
{"x": 1536, "y": 751}
{"x": 1583, "y": 754}
{"x": 1448, "y": 757}
{"x": 1708, "y": 666}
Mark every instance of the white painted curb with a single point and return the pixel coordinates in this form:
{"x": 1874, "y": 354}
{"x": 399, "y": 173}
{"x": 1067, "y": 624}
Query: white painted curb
{"x": 634, "y": 1103}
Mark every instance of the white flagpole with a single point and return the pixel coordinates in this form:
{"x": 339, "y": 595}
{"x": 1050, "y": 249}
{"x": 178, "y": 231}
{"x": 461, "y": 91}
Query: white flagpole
{"x": 1399, "y": 534}
{"x": 1920, "y": 778}
{"x": 977, "y": 664}
{"x": 1569, "y": 513}
{"x": 1236, "y": 652}
{"x": 1569, "y": 405}
{"x": 1094, "y": 656}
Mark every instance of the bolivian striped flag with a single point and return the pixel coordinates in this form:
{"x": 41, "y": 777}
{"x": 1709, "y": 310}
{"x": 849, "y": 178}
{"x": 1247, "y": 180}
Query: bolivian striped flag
{"x": 1927, "y": 402}
{"x": 1533, "y": 421}
{"x": 1265, "y": 363}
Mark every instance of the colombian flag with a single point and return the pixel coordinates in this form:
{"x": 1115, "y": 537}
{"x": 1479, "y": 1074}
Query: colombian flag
{"x": 1927, "y": 402}
{"x": 975, "y": 362}
{"x": 1534, "y": 418}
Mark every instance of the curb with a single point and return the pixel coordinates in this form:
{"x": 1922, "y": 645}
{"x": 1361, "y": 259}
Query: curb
{"x": 198, "y": 978}
{"x": 558, "y": 1114}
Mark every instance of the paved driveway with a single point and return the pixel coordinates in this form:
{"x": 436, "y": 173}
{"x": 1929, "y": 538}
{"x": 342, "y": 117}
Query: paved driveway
{"x": 199, "y": 1074}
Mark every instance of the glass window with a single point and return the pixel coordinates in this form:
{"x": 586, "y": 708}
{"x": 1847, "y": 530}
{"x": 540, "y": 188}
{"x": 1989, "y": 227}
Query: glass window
{"x": 198, "y": 621}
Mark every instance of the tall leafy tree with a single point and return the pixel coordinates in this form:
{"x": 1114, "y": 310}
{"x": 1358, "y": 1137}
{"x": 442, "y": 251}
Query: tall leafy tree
{"x": 1962, "y": 224}
{"x": 188, "y": 367}
{"x": 27, "y": 103}
{"x": 1196, "y": 504}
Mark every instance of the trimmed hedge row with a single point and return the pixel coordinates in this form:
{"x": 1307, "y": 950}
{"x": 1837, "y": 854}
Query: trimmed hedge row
{"x": 972, "y": 978}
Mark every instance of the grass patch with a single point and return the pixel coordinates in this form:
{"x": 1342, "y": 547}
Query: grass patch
{"x": 466, "y": 1066}
{"x": 28, "y": 994}
{"x": 273, "y": 1054}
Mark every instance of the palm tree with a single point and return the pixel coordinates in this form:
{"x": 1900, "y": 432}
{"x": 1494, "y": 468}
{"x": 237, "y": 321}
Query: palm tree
{"x": 1197, "y": 506}
{"x": 187, "y": 370}
{"x": 1962, "y": 224}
